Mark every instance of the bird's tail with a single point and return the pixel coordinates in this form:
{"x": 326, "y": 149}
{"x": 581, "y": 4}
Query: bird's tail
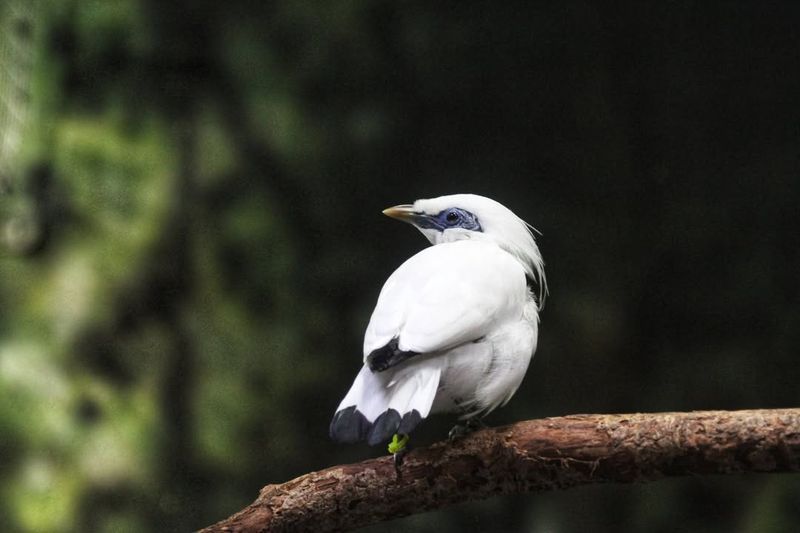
{"x": 380, "y": 404}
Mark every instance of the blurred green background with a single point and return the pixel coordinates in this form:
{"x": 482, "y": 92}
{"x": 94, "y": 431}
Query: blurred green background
{"x": 190, "y": 197}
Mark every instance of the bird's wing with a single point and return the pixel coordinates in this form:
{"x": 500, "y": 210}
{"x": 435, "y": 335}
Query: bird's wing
{"x": 446, "y": 295}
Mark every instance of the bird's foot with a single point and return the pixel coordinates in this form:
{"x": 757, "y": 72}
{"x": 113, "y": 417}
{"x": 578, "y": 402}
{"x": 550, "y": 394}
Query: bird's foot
{"x": 462, "y": 430}
{"x": 398, "y": 448}
{"x": 457, "y": 432}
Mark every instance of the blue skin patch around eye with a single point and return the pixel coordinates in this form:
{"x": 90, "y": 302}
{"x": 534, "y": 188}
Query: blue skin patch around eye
{"x": 455, "y": 217}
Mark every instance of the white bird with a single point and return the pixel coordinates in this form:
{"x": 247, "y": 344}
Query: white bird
{"x": 455, "y": 326}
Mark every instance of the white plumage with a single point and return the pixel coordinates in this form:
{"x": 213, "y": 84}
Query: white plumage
{"x": 454, "y": 327}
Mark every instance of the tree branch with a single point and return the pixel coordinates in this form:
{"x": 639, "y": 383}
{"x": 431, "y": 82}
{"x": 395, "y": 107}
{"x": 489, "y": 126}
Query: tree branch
{"x": 536, "y": 455}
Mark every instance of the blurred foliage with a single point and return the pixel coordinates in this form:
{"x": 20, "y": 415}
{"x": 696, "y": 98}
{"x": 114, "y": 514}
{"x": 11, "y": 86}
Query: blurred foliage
{"x": 190, "y": 200}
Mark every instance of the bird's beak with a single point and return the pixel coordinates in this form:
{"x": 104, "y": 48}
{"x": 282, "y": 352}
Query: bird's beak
{"x": 403, "y": 212}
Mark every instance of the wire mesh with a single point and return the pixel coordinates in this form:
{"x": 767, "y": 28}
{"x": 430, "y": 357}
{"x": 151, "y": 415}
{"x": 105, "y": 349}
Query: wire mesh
{"x": 18, "y": 23}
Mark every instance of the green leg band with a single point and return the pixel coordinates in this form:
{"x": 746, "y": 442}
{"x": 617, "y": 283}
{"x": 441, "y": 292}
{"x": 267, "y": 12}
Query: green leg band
{"x": 398, "y": 444}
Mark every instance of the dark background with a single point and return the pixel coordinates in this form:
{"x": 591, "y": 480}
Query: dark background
{"x": 192, "y": 237}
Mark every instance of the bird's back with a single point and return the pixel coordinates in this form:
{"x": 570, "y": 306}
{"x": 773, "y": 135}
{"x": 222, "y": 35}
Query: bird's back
{"x": 447, "y": 295}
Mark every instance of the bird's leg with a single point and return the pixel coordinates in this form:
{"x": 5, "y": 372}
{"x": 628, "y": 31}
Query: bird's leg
{"x": 476, "y": 423}
{"x": 398, "y": 462}
{"x": 398, "y": 448}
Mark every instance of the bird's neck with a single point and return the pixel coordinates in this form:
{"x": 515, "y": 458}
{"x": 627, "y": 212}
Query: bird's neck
{"x": 522, "y": 249}
{"x": 528, "y": 255}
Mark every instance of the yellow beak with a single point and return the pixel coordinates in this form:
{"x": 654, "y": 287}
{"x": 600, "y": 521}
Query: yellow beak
{"x": 403, "y": 212}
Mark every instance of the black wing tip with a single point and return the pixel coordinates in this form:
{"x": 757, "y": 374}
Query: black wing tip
{"x": 388, "y": 356}
{"x": 349, "y": 425}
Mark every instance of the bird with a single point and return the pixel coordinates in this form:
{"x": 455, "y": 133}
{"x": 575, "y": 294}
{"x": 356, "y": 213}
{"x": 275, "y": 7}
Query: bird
{"x": 454, "y": 327}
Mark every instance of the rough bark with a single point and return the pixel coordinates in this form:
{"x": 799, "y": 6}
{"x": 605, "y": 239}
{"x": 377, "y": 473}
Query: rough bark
{"x": 536, "y": 455}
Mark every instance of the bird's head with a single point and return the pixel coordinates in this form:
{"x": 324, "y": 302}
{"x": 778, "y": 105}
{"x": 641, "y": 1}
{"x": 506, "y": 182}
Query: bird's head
{"x": 469, "y": 216}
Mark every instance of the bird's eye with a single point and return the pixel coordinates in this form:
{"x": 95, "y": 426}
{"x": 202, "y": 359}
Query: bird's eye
{"x": 452, "y": 217}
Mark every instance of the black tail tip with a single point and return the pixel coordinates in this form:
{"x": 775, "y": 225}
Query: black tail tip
{"x": 409, "y": 422}
{"x": 384, "y": 427}
{"x": 349, "y": 425}
{"x": 390, "y": 423}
